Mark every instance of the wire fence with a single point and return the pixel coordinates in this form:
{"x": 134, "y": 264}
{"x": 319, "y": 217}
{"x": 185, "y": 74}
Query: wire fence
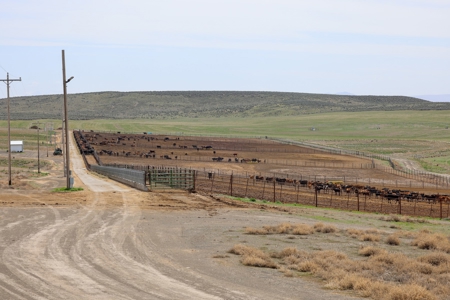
{"x": 274, "y": 191}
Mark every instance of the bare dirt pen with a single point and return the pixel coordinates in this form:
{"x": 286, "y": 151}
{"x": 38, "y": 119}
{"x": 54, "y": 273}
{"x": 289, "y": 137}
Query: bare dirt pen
{"x": 269, "y": 158}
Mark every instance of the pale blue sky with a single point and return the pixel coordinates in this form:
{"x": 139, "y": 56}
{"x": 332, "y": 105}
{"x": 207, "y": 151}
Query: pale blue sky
{"x": 316, "y": 46}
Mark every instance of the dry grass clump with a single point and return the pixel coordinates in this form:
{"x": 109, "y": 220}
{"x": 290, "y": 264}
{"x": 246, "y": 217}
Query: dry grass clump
{"x": 371, "y": 251}
{"x": 253, "y": 257}
{"x": 432, "y": 241}
{"x": 320, "y": 227}
{"x": 369, "y": 237}
{"x": 255, "y": 261}
{"x": 436, "y": 259}
{"x": 354, "y": 233}
{"x": 302, "y": 229}
{"x": 393, "y": 240}
{"x": 284, "y": 228}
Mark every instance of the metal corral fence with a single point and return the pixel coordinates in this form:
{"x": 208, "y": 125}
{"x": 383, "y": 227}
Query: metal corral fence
{"x": 388, "y": 183}
{"x": 135, "y": 178}
{"x": 240, "y": 185}
{"x": 395, "y": 167}
{"x": 246, "y": 187}
{"x": 162, "y": 178}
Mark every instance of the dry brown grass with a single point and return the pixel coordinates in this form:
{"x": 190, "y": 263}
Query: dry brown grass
{"x": 302, "y": 229}
{"x": 253, "y": 257}
{"x": 370, "y": 237}
{"x": 381, "y": 275}
{"x": 354, "y": 233}
{"x": 371, "y": 251}
{"x": 320, "y": 227}
{"x": 284, "y": 228}
{"x": 432, "y": 241}
{"x": 436, "y": 259}
{"x": 393, "y": 240}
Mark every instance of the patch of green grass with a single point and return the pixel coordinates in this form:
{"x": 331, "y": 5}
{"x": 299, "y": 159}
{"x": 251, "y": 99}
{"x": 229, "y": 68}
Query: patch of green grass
{"x": 65, "y": 190}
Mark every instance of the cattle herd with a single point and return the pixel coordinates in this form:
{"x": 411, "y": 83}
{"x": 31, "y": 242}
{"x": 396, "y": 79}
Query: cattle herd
{"x": 339, "y": 188}
{"x": 88, "y": 143}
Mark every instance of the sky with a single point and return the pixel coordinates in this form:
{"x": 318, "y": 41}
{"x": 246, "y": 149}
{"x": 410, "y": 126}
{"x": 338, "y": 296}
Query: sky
{"x": 361, "y": 47}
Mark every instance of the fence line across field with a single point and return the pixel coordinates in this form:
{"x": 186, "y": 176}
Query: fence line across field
{"x": 404, "y": 184}
{"x": 272, "y": 192}
{"x": 241, "y": 185}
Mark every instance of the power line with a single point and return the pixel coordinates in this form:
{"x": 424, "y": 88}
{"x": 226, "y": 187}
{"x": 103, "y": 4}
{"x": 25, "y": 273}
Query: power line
{"x": 3, "y": 69}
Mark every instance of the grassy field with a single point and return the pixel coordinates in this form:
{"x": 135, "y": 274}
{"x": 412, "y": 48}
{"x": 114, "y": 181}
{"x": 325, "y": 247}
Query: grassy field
{"x": 419, "y": 135}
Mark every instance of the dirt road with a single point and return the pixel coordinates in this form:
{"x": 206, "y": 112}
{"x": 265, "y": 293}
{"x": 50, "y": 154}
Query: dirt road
{"x": 113, "y": 242}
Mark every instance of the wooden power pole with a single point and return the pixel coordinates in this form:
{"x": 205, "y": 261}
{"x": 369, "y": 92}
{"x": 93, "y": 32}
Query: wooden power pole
{"x": 8, "y": 81}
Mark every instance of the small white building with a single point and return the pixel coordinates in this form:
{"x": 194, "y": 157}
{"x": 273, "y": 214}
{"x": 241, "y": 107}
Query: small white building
{"x": 16, "y": 146}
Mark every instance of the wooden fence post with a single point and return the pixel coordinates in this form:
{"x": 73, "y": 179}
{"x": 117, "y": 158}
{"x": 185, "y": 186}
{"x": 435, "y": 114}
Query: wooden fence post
{"x": 264, "y": 188}
{"x": 212, "y": 181}
{"x": 246, "y": 187}
{"x": 315, "y": 196}
{"x": 274, "y": 181}
{"x": 231, "y": 184}
{"x": 357, "y": 196}
{"x": 281, "y": 188}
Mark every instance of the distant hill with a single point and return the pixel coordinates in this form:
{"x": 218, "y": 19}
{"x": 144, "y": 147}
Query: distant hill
{"x": 197, "y": 104}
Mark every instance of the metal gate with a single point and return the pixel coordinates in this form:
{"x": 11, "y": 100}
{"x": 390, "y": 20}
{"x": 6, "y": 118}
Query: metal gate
{"x": 166, "y": 178}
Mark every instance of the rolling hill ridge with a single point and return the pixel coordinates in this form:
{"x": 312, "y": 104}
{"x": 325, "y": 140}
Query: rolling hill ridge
{"x": 198, "y": 104}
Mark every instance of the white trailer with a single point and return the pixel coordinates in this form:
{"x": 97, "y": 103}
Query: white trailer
{"x": 16, "y": 146}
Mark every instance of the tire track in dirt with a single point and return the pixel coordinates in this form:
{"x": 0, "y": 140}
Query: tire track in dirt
{"x": 83, "y": 256}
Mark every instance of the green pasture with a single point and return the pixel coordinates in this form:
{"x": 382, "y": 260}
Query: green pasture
{"x": 404, "y": 125}
{"x": 20, "y": 131}
{"x": 419, "y": 135}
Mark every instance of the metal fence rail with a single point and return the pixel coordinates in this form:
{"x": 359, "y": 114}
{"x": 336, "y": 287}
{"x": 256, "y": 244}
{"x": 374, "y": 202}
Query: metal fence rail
{"x": 134, "y": 178}
{"x": 162, "y": 177}
{"x": 171, "y": 178}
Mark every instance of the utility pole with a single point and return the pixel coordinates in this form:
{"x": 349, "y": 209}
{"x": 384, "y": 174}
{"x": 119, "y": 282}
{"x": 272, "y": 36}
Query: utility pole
{"x": 48, "y": 128}
{"x": 66, "y": 119}
{"x": 8, "y": 81}
{"x": 39, "y": 164}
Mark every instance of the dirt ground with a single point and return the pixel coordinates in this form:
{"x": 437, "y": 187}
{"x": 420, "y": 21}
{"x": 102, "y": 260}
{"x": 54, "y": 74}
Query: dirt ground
{"x": 110, "y": 241}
